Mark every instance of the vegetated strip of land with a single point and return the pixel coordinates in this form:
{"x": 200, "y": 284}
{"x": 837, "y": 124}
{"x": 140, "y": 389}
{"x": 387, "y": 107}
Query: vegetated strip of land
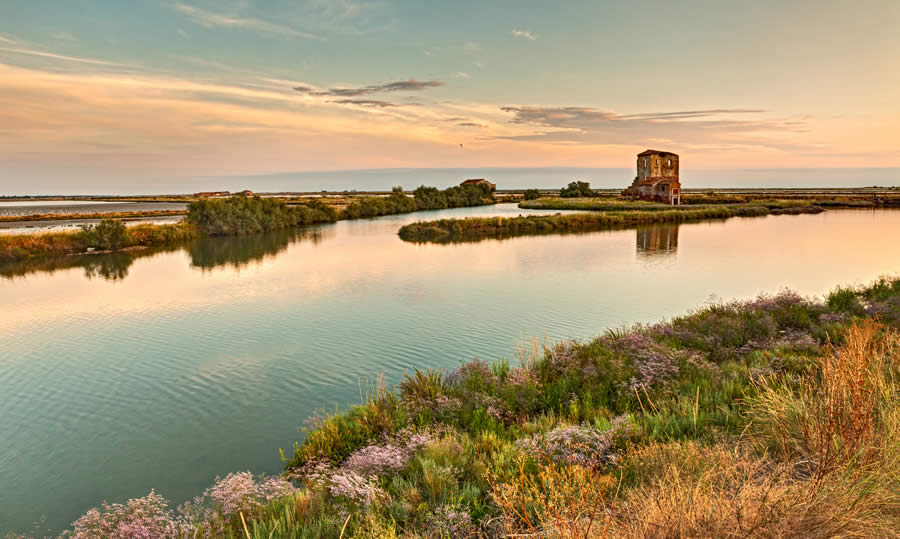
{"x": 478, "y": 228}
{"x": 235, "y": 215}
{"x": 624, "y": 204}
{"x": 773, "y": 417}
{"x": 92, "y": 215}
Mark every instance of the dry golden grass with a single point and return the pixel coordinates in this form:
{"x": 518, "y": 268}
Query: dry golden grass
{"x": 821, "y": 459}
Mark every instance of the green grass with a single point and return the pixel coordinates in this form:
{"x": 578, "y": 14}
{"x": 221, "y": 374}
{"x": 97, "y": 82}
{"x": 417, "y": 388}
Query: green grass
{"x": 474, "y": 229}
{"x": 623, "y": 204}
{"x": 31, "y": 247}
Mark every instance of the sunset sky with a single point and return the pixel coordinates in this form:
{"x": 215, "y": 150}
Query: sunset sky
{"x": 106, "y": 92}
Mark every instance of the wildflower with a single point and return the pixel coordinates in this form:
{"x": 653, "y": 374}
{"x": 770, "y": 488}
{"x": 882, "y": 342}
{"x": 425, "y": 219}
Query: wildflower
{"x": 562, "y": 355}
{"x": 376, "y": 459}
{"x": 476, "y": 372}
{"x": 450, "y": 521}
{"x": 147, "y": 517}
{"x": 653, "y": 362}
{"x": 355, "y": 487}
{"x": 580, "y": 444}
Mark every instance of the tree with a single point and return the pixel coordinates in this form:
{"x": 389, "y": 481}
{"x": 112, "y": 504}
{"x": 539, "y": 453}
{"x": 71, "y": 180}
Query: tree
{"x": 576, "y": 189}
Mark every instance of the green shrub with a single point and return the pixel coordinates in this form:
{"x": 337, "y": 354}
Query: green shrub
{"x": 107, "y": 235}
{"x": 576, "y": 189}
{"x": 248, "y": 215}
{"x": 532, "y": 194}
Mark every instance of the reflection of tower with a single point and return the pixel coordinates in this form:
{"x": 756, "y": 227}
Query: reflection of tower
{"x": 657, "y": 240}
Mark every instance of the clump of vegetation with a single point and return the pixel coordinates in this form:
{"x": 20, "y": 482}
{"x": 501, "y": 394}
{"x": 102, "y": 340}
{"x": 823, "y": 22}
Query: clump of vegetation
{"x": 424, "y": 198}
{"x": 622, "y": 204}
{"x": 109, "y": 234}
{"x": 772, "y": 417}
{"x": 532, "y": 194}
{"x": 238, "y": 215}
{"x": 479, "y": 228}
{"x": 577, "y": 189}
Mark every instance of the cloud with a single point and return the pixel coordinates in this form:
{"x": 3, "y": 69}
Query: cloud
{"x": 410, "y": 85}
{"x": 211, "y": 19}
{"x": 471, "y": 46}
{"x": 707, "y": 126}
{"x": 365, "y": 102}
{"x": 470, "y": 124}
{"x": 461, "y": 75}
{"x": 32, "y": 52}
{"x": 527, "y": 34}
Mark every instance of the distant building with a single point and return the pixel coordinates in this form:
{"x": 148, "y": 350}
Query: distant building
{"x": 212, "y": 194}
{"x": 480, "y": 181}
{"x": 657, "y": 178}
{"x": 246, "y": 193}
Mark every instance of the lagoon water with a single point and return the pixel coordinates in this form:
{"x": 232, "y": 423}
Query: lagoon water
{"x": 123, "y": 373}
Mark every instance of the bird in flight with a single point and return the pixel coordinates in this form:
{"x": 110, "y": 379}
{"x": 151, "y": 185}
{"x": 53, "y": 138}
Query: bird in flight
{"x": 460, "y": 145}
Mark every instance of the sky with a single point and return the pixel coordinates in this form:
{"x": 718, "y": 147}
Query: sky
{"x": 148, "y": 94}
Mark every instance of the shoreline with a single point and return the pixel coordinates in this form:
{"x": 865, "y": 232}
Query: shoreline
{"x": 477, "y": 229}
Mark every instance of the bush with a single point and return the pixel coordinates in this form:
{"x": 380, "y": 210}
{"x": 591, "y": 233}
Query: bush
{"x": 424, "y": 198}
{"x": 576, "y": 189}
{"x": 107, "y": 235}
{"x": 248, "y": 215}
{"x": 532, "y": 194}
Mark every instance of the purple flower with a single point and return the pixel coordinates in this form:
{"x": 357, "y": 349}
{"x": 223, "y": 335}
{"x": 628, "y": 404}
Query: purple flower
{"x": 354, "y": 487}
{"x": 653, "y": 362}
{"x": 377, "y": 459}
{"x": 147, "y": 517}
{"x": 579, "y": 444}
{"x": 450, "y": 521}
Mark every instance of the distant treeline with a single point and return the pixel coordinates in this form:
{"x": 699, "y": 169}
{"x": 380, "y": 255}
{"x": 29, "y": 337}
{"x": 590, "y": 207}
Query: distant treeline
{"x": 473, "y": 229}
{"x": 424, "y": 198}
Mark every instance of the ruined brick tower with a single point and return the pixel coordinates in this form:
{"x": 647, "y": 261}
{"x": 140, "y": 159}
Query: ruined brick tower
{"x": 657, "y": 178}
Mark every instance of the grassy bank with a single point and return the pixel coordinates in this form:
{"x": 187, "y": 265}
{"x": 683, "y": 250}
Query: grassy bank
{"x": 108, "y": 235}
{"x": 622, "y": 204}
{"x": 208, "y": 217}
{"x": 771, "y": 417}
{"x": 98, "y": 215}
{"x": 473, "y": 229}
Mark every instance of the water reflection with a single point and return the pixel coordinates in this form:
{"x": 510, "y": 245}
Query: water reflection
{"x": 239, "y": 252}
{"x": 206, "y": 254}
{"x": 657, "y": 240}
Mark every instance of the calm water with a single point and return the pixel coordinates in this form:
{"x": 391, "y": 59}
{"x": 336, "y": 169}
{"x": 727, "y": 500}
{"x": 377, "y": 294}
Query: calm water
{"x": 120, "y": 374}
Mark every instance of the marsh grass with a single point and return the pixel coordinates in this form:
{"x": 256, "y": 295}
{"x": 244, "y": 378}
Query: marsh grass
{"x": 107, "y": 235}
{"x": 479, "y": 228}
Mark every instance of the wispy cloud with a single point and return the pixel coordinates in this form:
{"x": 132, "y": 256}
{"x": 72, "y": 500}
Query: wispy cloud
{"x": 364, "y": 102}
{"x": 471, "y": 46}
{"x": 527, "y": 34}
{"x": 211, "y": 19}
{"x": 33, "y": 52}
{"x": 707, "y": 126}
{"x": 461, "y": 75}
{"x": 7, "y": 40}
{"x": 410, "y": 85}
{"x": 470, "y": 124}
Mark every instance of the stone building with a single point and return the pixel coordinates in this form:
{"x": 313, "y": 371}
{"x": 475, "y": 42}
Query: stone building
{"x": 657, "y": 178}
